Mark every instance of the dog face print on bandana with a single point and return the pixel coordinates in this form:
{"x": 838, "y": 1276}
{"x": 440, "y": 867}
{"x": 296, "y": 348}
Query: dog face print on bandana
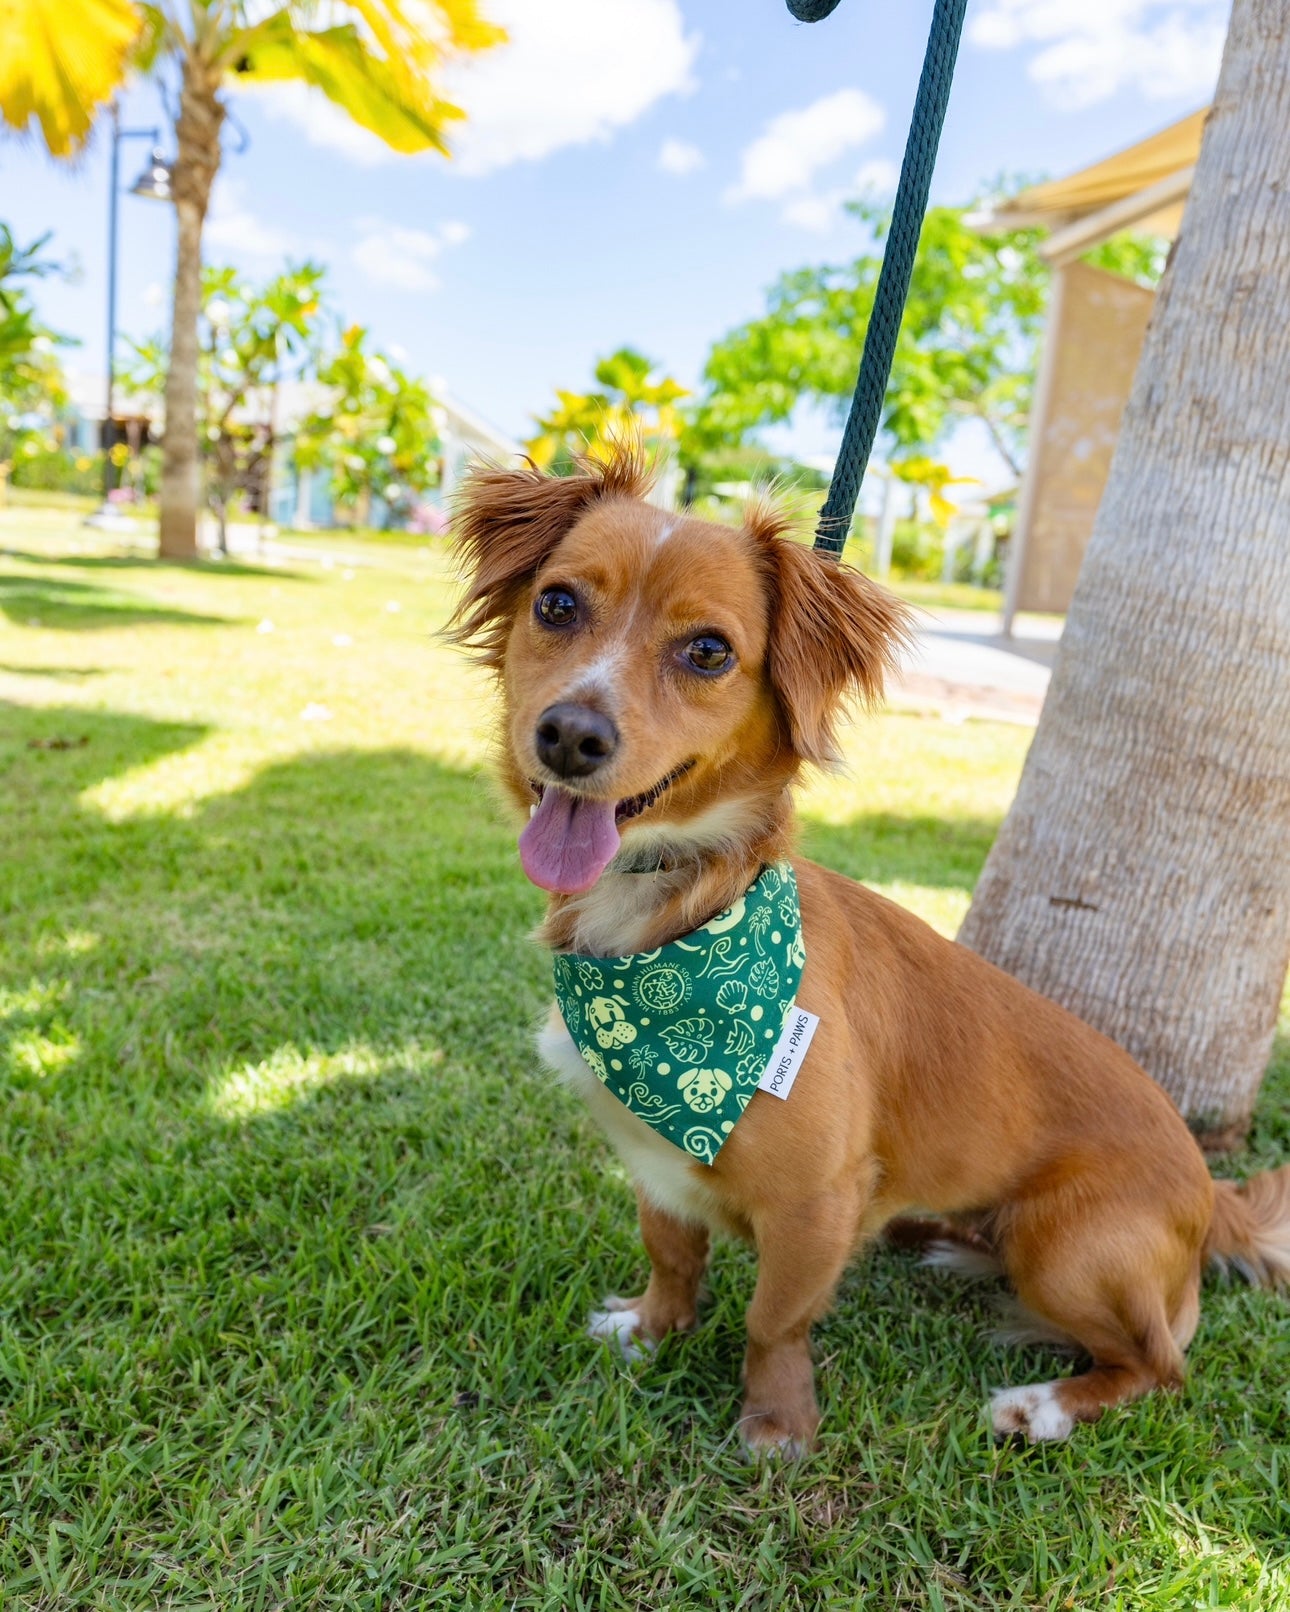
{"x": 682, "y": 1035}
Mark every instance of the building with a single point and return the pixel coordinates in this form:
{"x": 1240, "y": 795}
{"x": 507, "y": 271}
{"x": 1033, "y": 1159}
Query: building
{"x": 1096, "y": 324}
{"x": 296, "y": 497}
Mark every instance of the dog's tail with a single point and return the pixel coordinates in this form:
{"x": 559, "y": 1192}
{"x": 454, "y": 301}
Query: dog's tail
{"x": 1250, "y": 1230}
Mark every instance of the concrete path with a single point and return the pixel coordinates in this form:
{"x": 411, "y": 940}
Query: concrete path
{"x": 963, "y": 666}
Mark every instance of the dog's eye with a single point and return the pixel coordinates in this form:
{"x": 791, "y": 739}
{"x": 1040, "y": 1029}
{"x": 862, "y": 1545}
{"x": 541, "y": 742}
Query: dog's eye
{"x": 557, "y": 607}
{"x": 708, "y": 653}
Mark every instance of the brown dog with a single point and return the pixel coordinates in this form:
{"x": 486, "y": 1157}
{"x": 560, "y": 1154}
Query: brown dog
{"x": 664, "y": 679}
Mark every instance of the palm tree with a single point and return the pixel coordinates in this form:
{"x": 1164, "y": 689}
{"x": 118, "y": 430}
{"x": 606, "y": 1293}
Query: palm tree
{"x": 1142, "y": 877}
{"x": 376, "y": 59}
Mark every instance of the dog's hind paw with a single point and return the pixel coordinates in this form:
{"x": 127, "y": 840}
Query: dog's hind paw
{"x": 1034, "y": 1411}
{"x": 619, "y": 1326}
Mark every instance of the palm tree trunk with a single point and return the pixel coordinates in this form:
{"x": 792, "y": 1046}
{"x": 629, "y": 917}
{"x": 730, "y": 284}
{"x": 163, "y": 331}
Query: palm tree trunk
{"x": 1142, "y": 877}
{"x": 197, "y": 135}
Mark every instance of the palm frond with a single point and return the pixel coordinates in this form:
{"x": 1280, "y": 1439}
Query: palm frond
{"x": 61, "y": 61}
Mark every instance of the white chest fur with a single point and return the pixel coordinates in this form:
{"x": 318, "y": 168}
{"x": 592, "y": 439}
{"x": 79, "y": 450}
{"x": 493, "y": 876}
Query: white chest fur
{"x": 670, "y": 1180}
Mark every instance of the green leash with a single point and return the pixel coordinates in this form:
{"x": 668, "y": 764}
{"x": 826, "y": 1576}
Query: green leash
{"x": 897, "y": 262}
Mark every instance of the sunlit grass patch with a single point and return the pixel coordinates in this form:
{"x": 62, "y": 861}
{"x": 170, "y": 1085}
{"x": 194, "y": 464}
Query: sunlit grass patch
{"x": 32, "y": 1055}
{"x": 287, "y": 1076}
{"x": 175, "y": 784}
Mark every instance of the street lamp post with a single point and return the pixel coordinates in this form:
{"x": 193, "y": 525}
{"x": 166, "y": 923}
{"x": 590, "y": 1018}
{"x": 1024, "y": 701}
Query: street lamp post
{"x": 153, "y": 184}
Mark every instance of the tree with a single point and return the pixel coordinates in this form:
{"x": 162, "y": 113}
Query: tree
{"x": 1142, "y": 877}
{"x": 251, "y": 339}
{"x": 31, "y": 381}
{"x": 968, "y": 345}
{"x": 633, "y": 403}
{"x": 378, "y": 435}
{"x": 376, "y": 59}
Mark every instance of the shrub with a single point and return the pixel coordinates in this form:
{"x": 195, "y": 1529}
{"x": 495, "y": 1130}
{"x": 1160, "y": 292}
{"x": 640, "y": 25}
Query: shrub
{"x": 57, "y": 470}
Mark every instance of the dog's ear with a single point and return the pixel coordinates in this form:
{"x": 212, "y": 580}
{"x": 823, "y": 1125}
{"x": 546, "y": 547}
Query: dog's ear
{"x": 833, "y": 636}
{"x": 505, "y": 524}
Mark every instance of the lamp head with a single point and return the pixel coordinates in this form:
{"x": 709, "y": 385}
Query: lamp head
{"x": 154, "y": 182}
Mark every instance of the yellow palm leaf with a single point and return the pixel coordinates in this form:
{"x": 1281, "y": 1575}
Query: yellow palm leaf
{"x": 392, "y": 99}
{"x": 60, "y": 61}
{"x": 406, "y": 33}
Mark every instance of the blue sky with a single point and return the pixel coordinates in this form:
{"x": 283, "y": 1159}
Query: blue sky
{"x": 634, "y": 171}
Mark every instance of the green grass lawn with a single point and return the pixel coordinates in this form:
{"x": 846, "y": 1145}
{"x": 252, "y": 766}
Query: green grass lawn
{"x": 298, "y": 1244}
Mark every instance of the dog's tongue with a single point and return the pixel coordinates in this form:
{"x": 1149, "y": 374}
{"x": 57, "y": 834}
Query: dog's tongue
{"x": 568, "y": 842}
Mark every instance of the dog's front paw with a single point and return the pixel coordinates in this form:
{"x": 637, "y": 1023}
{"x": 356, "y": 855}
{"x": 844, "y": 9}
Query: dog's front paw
{"x": 766, "y": 1437}
{"x": 619, "y": 1325}
{"x": 1034, "y": 1411}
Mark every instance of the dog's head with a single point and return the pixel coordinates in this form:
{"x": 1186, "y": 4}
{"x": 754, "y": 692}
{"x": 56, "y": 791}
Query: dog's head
{"x": 660, "y": 674}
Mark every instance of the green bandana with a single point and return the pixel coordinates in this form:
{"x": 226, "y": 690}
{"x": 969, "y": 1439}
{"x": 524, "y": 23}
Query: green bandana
{"x": 683, "y": 1035}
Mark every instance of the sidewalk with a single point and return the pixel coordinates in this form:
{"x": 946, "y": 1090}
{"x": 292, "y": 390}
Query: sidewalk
{"x": 961, "y": 666}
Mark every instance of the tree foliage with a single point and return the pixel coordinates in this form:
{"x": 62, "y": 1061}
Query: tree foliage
{"x": 253, "y": 339}
{"x": 632, "y": 402}
{"x": 377, "y": 435}
{"x": 968, "y": 345}
{"x": 62, "y": 62}
{"x": 378, "y": 60}
{"x": 31, "y": 380}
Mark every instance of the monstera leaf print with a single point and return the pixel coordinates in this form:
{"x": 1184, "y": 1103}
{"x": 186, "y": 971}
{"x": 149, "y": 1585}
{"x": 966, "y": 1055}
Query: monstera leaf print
{"x": 689, "y": 1040}
{"x": 733, "y": 996}
{"x": 764, "y": 978}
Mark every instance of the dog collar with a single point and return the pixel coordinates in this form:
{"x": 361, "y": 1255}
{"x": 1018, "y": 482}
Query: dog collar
{"x": 682, "y": 1035}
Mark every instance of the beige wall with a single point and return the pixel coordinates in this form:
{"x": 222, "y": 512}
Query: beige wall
{"x": 1093, "y": 352}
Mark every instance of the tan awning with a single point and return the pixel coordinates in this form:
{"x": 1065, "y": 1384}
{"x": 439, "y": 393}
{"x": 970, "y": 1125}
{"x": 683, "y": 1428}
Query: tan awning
{"x": 1143, "y": 188}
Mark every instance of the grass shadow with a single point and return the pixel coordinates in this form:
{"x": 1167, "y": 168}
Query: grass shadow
{"x": 149, "y": 562}
{"x": 61, "y": 673}
{"x": 60, "y": 603}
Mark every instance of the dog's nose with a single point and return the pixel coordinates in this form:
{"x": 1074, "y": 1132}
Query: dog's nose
{"x": 573, "y": 740}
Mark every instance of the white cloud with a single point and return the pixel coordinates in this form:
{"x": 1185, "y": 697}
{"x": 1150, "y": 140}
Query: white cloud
{"x": 680, "y": 157}
{"x": 815, "y": 213}
{"x": 1084, "y": 51}
{"x": 878, "y": 176}
{"x": 232, "y": 227}
{"x": 784, "y": 159}
{"x": 820, "y": 211}
{"x": 571, "y": 72}
{"x": 397, "y": 255}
